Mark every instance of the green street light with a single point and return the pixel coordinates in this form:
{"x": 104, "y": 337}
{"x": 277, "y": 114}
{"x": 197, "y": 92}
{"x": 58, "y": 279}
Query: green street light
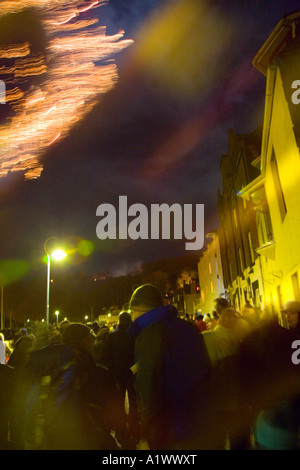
{"x": 56, "y": 255}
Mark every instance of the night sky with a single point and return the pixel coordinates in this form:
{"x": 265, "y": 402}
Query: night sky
{"x": 157, "y": 136}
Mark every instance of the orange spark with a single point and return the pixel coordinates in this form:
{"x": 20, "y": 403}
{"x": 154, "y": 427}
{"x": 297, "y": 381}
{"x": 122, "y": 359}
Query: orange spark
{"x": 72, "y": 82}
{"x": 55, "y": 138}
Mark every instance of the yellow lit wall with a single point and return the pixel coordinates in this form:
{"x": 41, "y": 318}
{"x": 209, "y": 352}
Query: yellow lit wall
{"x": 210, "y": 275}
{"x": 280, "y": 274}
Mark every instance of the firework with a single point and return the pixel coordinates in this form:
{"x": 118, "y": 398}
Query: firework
{"x": 71, "y": 79}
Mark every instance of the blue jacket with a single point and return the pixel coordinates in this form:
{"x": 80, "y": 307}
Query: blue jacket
{"x": 173, "y": 369}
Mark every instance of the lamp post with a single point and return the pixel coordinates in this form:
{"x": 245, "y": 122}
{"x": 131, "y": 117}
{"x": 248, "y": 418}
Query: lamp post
{"x": 57, "y": 255}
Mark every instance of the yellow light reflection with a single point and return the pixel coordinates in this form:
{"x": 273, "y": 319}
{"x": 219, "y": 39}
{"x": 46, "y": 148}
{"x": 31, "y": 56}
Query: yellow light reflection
{"x": 11, "y": 270}
{"x": 85, "y": 247}
{"x": 184, "y": 46}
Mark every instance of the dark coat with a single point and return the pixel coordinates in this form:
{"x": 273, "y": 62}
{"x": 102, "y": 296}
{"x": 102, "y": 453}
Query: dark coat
{"x": 173, "y": 370}
{"x": 74, "y": 409}
{"x": 272, "y": 383}
{"x": 118, "y": 355}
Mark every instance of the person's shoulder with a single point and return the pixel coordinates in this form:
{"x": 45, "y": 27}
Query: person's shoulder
{"x": 208, "y": 333}
{"x": 153, "y": 329}
{"x": 209, "y": 337}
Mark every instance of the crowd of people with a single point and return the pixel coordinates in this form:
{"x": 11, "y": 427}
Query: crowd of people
{"x": 224, "y": 380}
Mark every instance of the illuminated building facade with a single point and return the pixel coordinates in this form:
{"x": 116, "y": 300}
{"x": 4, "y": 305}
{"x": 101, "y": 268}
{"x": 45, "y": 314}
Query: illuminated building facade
{"x": 275, "y": 192}
{"x": 238, "y": 235}
{"x": 210, "y": 274}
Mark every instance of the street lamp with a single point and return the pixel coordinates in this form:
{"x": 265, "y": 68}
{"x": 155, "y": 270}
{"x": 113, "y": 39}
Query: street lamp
{"x": 56, "y": 313}
{"x": 56, "y": 255}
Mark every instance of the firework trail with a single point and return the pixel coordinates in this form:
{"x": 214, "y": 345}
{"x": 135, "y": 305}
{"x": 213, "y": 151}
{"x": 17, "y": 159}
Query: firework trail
{"x": 71, "y": 79}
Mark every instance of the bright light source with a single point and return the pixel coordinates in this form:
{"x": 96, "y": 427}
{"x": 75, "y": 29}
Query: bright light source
{"x": 59, "y": 255}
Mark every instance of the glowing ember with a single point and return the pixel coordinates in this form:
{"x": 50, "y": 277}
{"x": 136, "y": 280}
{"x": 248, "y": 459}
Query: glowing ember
{"x": 71, "y": 82}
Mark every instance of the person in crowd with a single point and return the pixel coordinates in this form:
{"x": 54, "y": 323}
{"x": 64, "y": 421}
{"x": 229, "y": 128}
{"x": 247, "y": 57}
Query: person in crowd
{"x": 222, "y": 341}
{"x": 250, "y": 317}
{"x": 63, "y": 324}
{"x": 220, "y": 304}
{"x": 95, "y": 327}
{"x": 211, "y": 320}
{"x": 30, "y": 360}
{"x": 8, "y": 348}
{"x": 98, "y": 386}
{"x": 171, "y": 380}
{"x": 291, "y": 311}
{"x": 190, "y": 320}
{"x": 20, "y": 332}
{"x": 100, "y": 338}
{"x": 2, "y": 349}
{"x": 62, "y": 400}
{"x": 201, "y": 325}
{"x": 230, "y": 410}
{"x": 21, "y": 351}
{"x": 271, "y": 381}
{"x": 117, "y": 355}
{"x": 6, "y": 405}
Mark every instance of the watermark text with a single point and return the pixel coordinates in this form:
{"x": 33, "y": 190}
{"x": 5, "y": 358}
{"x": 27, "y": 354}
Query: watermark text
{"x": 296, "y": 354}
{"x": 161, "y": 222}
{"x": 296, "y": 94}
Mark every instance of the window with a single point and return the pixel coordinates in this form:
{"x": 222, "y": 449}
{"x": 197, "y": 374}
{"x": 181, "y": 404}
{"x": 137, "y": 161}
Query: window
{"x": 296, "y": 289}
{"x": 235, "y": 218}
{"x": 227, "y": 237}
{"x": 230, "y": 271}
{"x": 278, "y": 187}
{"x": 264, "y": 225}
{"x": 251, "y": 248}
{"x": 279, "y": 294}
{"x": 241, "y": 259}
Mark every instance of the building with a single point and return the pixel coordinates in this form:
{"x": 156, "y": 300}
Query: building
{"x": 241, "y": 267}
{"x": 210, "y": 274}
{"x": 275, "y": 192}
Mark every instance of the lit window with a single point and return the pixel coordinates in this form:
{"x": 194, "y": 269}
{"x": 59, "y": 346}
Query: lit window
{"x": 251, "y": 247}
{"x": 295, "y": 283}
{"x": 278, "y": 187}
{"x": 241, "y": 259}
{"x": 235, "y": 218}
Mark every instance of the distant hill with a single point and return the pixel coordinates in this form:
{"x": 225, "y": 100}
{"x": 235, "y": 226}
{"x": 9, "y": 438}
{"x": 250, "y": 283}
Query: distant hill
{"x": 171, "y": 266}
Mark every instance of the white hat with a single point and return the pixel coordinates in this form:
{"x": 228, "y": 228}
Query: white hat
{"x": 291, "y": 306}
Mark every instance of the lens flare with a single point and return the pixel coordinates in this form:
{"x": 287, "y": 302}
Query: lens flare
{"x": 85, "y": 247}
{"x": 11, "y": 270}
